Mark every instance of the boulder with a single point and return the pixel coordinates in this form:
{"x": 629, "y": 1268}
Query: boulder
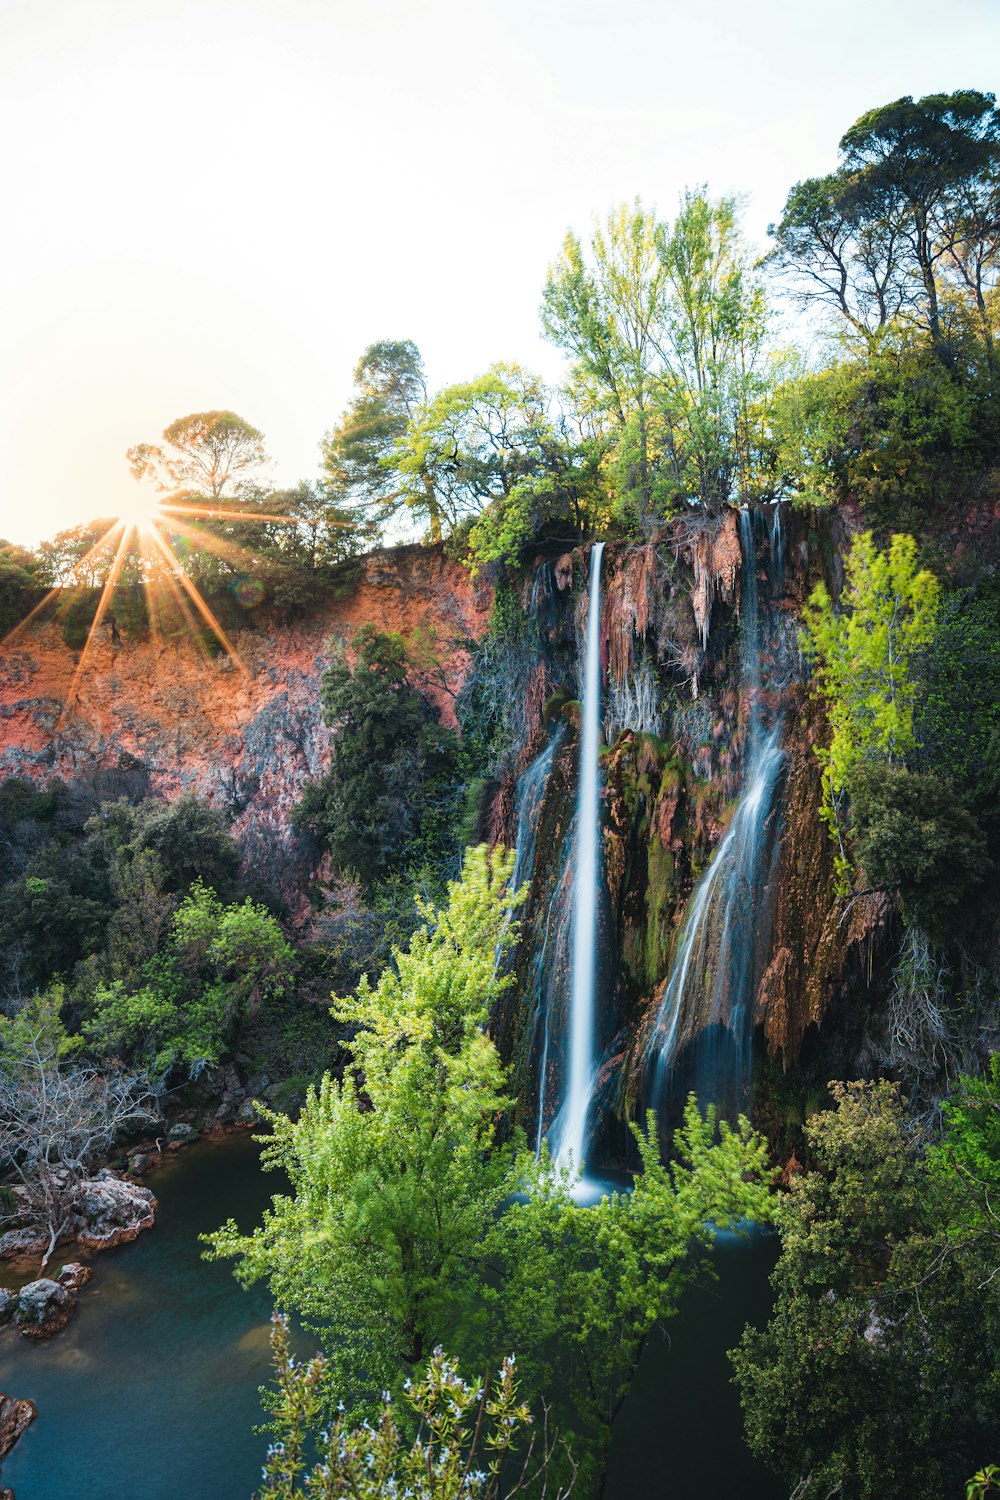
{"x": 74, "y": 1275}
{"x": 8, "y": 1304}
{"x": 30, "y": 1241}
{"x": 113, "y": 1211}
{"x": 43, "y": 1308}
{"x": 15, "y": 1417}
{"x": 138, "y": 1164}
{"x": 248, "y": 1114}
{"x": 182, "y": 1134}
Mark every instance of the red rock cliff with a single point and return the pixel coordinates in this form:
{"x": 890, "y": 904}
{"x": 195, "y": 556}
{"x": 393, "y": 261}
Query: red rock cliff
{"x": 243, "y": 739}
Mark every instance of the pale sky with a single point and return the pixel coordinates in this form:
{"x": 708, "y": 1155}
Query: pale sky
{"x": 221, "y": 203}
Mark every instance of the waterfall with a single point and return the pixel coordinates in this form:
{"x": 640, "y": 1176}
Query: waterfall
{"x": 722, "y": 946}
{"x": 528, "y": 807}
{"x": 569, "y": 1135}
{"x": 777, "y": 550}
{"x": 714, "y": 977}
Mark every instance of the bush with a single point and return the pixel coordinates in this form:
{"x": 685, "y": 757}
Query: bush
{"x": 912, "y": 834}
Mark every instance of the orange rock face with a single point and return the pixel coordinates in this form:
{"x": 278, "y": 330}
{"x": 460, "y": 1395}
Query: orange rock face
{"x": 243, "y": 737}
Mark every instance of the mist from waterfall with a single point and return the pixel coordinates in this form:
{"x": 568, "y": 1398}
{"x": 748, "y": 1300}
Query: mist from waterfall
{"x": 569, "y": 1132}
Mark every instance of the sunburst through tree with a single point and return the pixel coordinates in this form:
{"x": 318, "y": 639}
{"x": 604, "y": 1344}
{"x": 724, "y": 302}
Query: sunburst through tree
{"x": 179, "y": 515}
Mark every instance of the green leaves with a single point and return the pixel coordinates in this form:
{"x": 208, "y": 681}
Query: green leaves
{"x": 878, "y": 1372}
{"x": 391, "y": 793}
{"x": 864, "y": 658}
{"x": 397, "y": 1169}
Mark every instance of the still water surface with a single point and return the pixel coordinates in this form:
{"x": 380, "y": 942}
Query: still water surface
{"x": 152, "y": 1391}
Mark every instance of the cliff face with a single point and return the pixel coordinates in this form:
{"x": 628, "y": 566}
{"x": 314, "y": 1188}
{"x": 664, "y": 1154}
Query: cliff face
{"x": 700, "y": 652}
{"x": 243, "y": 736}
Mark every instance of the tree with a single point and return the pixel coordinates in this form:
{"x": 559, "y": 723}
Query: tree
{"x": 912, "y": 205}
{"x": 713, "y": 345}
{"x": 925, "y": 155}
{"x": 474, "y": 444}
{"x": 407, "y": 1184}
{"x": 397, "y": 1169}
{"x": 473, "y": 1442}
{"x": 390, "y": 791}
{"x": 191, "y": 842}
{"x": 878, "y": 1373}
{"x": 913, "y": 835}
{"x": 220, "y": 964}
{"x": 57, "y": 1116}
{"x": 864, "y": 658}
{"x": 666, "y": 328}
{"x": 205, "y": 452}
{"x": 606, "y": 314}
{"x": 357, "y": 453}
{"x": 840, "y": 255}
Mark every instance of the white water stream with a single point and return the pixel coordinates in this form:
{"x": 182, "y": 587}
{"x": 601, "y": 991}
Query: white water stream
{"x": 569, "y": 1133}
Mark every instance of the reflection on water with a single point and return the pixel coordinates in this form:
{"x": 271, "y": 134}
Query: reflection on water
{"x": 680, "y": 1433}
{"x": 152, "y": 1390}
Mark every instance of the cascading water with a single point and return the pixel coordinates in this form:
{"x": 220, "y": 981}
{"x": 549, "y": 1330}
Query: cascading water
{"x": 777, "y": 549}
{"x": 528, "y": 806}
{"x": 722, "y": 947}
{"x": 569, "y": 1133}
{"x": 714, "y": 978}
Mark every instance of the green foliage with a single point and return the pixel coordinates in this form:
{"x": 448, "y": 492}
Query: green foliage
{"x": 357, "y": 453}
{"x": 864, "y": 657}
{"x": 473, "y": 1439}
{"x": 397, "y": 1179}
{"x": 957, "y": 717}
{"x": 912, "y": 834}
{"x": 908, "y": 217}
{"x": 586, "y": 1286}
{"x": 665, "y": 326}
{"x": 878, "y": 1372}
{"x": 221, "y": 963}
{"x": 21, "y": 585}
{"x": 406, "y": 1225}
{"x": 391, "y": 793}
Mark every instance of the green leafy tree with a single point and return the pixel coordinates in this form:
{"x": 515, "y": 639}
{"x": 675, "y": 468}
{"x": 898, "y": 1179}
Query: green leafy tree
{"x": 358, "y": 453}
{"x": 220, "y": 965}
{"x": 389, "y": 795}
{"x": 878, "y": 1372}
{"x": 712, "y": 346}
{"x": 605, "y": 311}
{"x": 477, "y": 444}
{"x": 191, "y": 842}
{"x": 585, "y": 1287}
{"x": 407, "y": 1224}
{"x": 911, "y": 208}
{"x": 397, "y": 1168}
{"x": 864, "y": 655}
{"x": 913, "y": 835}
{"x": 665, "y": 326}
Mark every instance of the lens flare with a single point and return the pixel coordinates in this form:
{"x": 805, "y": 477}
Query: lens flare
{"x": 133, "y": 550}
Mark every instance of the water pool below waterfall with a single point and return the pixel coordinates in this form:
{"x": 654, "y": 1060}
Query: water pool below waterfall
{"x": 152, "y": 1391}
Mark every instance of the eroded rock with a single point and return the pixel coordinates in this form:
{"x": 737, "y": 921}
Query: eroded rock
{"x": 16, "y": 1416}
{"x": 74, "y": 1274}
{"x": 43, "y": 1308}
{"x": 113, "y": 1211}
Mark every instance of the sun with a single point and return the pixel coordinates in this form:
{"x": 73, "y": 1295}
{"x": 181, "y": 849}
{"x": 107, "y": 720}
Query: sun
{"x": 140, "y": 513}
